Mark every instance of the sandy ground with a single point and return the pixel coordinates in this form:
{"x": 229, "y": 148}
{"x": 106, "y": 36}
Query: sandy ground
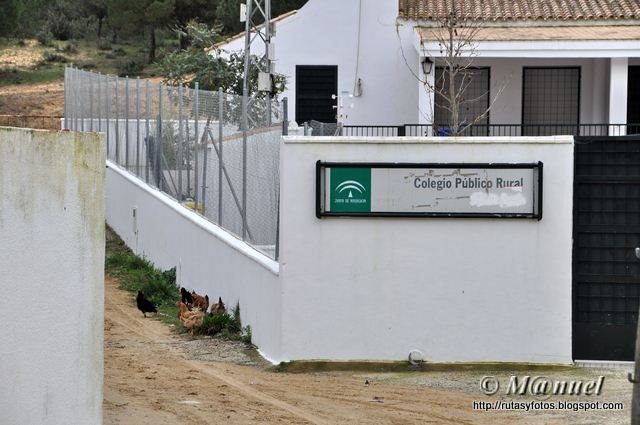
{"x": 154, "y": 376}
{"x": 33, "y": 99}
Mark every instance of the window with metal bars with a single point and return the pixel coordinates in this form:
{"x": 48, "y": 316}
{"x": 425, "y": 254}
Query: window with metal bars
{"x": 550, "y": 101}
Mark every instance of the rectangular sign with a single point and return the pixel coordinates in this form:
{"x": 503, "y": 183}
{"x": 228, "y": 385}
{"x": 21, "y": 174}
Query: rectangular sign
{"x": 429, "y": 190}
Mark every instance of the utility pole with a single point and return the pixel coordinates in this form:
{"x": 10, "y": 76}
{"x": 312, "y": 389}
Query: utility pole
{"x": 257, "y": 15}
{"x": 253, "y": 12}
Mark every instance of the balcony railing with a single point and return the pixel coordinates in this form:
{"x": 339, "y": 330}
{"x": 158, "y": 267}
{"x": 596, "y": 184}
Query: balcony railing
{"x": 316, "y": 128}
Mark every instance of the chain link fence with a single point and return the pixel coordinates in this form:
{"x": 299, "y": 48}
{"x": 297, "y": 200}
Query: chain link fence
{"x": 192, "y": 144}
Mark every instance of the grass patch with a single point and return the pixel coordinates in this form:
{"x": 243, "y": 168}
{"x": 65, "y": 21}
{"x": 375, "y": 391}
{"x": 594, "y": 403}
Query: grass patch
{"x": 42, "y": 74}
{"x": 30, "y": 62}
{"x": 137, "y": 274}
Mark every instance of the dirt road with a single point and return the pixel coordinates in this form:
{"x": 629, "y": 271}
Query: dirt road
{"x": 151, "y": 377}
{"x": 150, "y": 380}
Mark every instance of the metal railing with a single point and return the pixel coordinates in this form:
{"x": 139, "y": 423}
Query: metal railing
{"x": 316, "y": 128}
{"x": 191, "y": 144}
{"x": 45, "y": 122}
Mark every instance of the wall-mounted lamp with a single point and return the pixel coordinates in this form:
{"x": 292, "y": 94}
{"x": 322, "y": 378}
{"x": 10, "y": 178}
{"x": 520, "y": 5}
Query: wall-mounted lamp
{"x": 427, "y": 65}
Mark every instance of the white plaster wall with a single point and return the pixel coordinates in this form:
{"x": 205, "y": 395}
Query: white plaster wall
{"x": 467, "y": 290}
{"x": 208, "y": 259}
{"x": 325, "y": 32}
{"x": 51, "y": 277}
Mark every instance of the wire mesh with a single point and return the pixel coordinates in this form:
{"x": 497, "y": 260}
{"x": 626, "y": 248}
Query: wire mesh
{"x": 191, "y": 144}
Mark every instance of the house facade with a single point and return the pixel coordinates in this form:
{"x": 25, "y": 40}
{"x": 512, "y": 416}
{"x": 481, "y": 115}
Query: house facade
{"x": 546, "y": 68}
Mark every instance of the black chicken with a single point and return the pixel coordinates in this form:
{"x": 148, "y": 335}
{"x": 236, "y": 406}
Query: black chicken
{"x": 187, "y": 298}
{"x": 144, "y": 305}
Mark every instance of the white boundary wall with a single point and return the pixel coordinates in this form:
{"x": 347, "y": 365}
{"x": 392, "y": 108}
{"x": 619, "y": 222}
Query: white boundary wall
{"x": 208, "y": 259}
{"x": 467, "y": 290}
{"x": 51, "y": 277}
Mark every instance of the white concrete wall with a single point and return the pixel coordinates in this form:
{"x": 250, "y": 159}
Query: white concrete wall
{"x": 468, "y": 290}
{"x": 207, "y": 258}
{"x": 326, "y": 32}
{"x": 51, "y": 277}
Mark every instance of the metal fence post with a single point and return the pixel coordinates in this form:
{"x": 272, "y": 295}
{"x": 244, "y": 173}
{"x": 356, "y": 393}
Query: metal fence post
{"x": 138, "y": 127}
{"x": 245, "y": 128}
{"x": 117, "y": 116}
{"x": 126, "y": 122}
{"x": 99, "y": 101}
{"x": 90, "y": 102}
{"x": 220, "y": 155}
{"x": 158, "y": 167}
{"x": 205, "y": 166}
{"x": 285, "y": 116}
{"x": 82, "y": 96}
{"x": 180, "y": 160}
{"x": 196, "y": 114}
{"x": 147, "y": 138}
{"x": 74, "y": 100}
{"x": 66, "y": 97}
{"x": 108, "y": 111}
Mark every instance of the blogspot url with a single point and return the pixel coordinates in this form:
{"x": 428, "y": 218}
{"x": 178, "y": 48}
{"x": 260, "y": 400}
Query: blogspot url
{"x": 529, "y": 406}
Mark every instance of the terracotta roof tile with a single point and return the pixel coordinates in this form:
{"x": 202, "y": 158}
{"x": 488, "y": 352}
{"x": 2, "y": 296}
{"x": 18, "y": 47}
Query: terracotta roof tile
{"x": 523, "y": 10}
{"x": 565, "y": 33}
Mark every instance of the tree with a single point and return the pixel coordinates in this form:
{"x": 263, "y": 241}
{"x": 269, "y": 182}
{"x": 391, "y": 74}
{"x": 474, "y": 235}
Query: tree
{"x": 457, "y": 107}
{"x": 97, "y": 8}
{"x": 228, "y": 16}
{"x": 187, "y": 10}
{"x": 147, "y": 14}
{"x": 8, "y": 16}
{"x": 202, "y": 63}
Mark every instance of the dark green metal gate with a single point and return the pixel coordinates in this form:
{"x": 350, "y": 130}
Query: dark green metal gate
{"x": 606, "y": 230}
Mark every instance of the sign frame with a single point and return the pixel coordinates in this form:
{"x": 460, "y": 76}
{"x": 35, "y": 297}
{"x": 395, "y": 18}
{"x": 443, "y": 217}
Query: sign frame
{"x": 321, "y": 189}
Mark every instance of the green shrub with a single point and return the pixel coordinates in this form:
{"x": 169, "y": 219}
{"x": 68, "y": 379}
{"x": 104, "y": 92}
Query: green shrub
{"x": 213, "y": 325}
{"x": 130, "y": 68}
{"x": 227, "y": 326}
{"x": 119, "y": 51}
{"x": 54, "y": 58}
{"x": 44, "y": 37}
{"x": 104, "y": 44}
{"x": 70, "y": 48}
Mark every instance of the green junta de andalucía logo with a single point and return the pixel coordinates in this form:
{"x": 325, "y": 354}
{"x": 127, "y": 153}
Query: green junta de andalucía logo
{"x": 350, "y": 189}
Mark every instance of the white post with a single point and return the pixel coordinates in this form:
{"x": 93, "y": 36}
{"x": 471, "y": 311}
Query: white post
{"x": 618, "y": 75}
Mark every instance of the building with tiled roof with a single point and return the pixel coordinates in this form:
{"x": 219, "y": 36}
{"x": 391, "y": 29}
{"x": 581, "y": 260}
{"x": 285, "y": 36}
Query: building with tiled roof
{"x": 544, "y": 66}
{"x": 522, "y": 10}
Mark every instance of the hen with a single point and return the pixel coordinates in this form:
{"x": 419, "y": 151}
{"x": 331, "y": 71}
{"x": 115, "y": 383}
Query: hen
{"x": 144, "y": 305}
{"x": 192, "y": 320}
{"x": 199, "y": 301}
{"x": 218, "y": 308}
{"x": 186, "y": 297}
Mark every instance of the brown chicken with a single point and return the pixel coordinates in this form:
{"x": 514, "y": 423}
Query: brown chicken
{"x": 192, "y": 320}
{"x": 199, "y": 301}
{"x": 218, "y": 308}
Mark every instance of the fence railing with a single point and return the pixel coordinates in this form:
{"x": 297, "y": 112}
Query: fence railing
{"x": 317, "y": 128}
{"x": 192, "y": 144}
{"x": 45, "y": 122}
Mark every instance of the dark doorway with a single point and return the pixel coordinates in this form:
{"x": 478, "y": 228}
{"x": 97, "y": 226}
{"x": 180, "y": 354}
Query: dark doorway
{"x": 314, "y": 86}
{"x": 633, "y": 100}
{"x": 606, "y": 231}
